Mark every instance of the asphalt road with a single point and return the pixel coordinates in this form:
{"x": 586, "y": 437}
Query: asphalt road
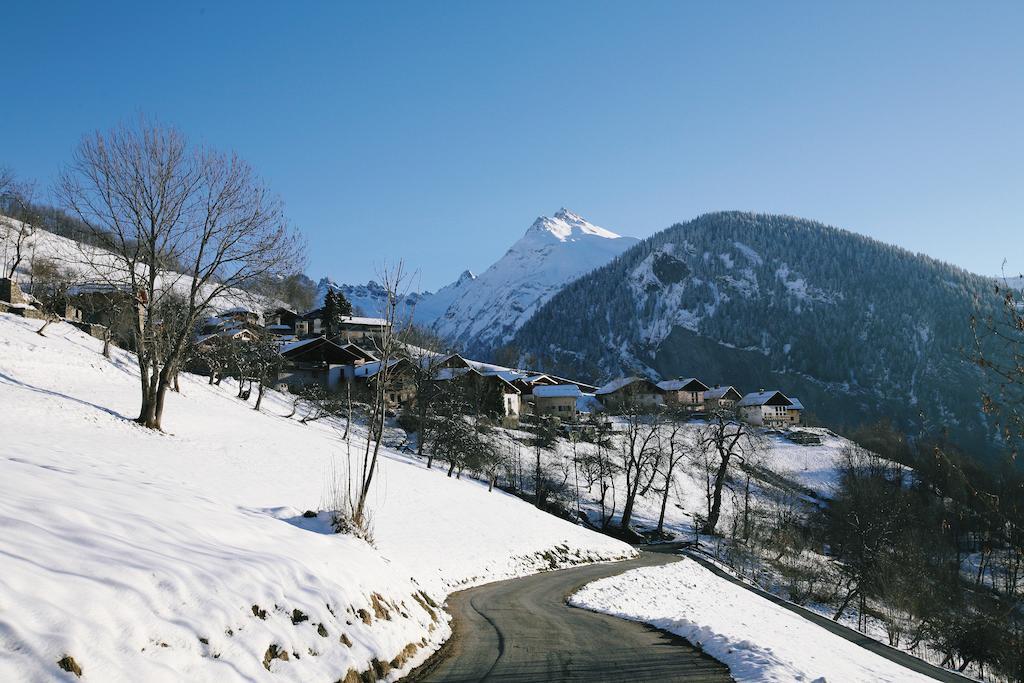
{"x": 523, "y": 630}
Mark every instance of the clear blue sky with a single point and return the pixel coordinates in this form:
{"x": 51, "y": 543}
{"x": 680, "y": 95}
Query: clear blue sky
{"x": 439, "y": 131}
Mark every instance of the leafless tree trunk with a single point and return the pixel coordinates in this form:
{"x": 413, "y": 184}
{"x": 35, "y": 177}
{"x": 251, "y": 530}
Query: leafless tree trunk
{"x": 672, "y": 458}
{"x": 388, "y": 346}
{"x": 723, "y": 437}
{"x": 180, "y": 227}
{"x": 639, "y": 452}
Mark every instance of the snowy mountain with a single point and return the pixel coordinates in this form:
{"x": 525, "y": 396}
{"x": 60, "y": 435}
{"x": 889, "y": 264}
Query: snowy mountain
{"x": 486, "y": 311}
{"x": 483, "y": 312}
{"x": 857, "y": 329}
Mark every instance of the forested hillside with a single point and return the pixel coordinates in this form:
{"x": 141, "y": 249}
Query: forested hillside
{"x": 857, "y": 329}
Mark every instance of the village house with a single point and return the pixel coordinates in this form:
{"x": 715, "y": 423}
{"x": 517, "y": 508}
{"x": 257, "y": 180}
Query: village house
{"x": 315, "y": 361}
{"x": 794, "y": 411}
{"x": 349, "y": 329}
{"x": 13, "y": 300}
{"x": 280, "y": 321}
{"x": 400, "y": 389}
{"x": 687, "y": 393}
{"x": 765, "y": 408}
{"x": 630, "y": 390}
{"x": 557, "y": 399}
{"x": 721, "y": 398}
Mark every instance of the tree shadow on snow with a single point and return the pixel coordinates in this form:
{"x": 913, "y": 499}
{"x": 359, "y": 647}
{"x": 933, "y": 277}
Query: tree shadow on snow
{"x": 7, "y": 379}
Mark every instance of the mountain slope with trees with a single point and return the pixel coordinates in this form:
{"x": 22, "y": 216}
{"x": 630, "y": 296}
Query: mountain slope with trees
{"x": 859, "y": 330}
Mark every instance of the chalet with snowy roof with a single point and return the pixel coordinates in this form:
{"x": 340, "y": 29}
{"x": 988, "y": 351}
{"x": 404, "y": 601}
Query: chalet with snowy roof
{"x": 100, "y": 303}
{"x": 365, "y": 355}
{"x": 794, "y": 411}
{"x": 687, "y": 394}
{"x": 489, "y": 392}
{"x": 315, "y": 361}
{"x": 721, "y": 398}
{"x": 765, "y": 408}
{"x": 280, "y": 321}
{"x": 635, "y": 390}
{"x": 558, "y": 400}
{"x": 350, "y": 328}
{"x": 400, "y": 379}
{"x": 243, "y": 315}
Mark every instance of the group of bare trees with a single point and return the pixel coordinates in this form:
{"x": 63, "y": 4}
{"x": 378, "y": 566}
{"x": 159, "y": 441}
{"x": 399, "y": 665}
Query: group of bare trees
{"x": 180, "y": 226}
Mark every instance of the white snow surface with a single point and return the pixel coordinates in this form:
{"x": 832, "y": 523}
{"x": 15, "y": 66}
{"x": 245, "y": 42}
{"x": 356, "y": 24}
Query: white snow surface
{"x": 758, "y": 640}
{"x": 123, "y": 548}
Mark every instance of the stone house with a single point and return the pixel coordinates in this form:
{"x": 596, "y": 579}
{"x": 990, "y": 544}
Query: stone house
{"x": 765, "y": 408}
{"x": 635, "y": 390}
{"x": 687, "y": 393}
{"x": 558, "y": 400}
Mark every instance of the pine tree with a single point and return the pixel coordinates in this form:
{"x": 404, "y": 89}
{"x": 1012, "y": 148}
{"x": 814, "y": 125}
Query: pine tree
{"x": 330, "y": 312}
{"x": 344, "y": 305}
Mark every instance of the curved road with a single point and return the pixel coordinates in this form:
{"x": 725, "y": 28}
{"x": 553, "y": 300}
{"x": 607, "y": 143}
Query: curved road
{"x": 523, "y": 630}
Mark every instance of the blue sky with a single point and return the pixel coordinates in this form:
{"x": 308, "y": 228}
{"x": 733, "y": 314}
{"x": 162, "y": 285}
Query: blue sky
{"x": 439, "y": 131}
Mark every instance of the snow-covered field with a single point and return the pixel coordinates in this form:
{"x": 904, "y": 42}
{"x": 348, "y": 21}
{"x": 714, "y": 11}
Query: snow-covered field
{"x": 757, "y": 640}
{"x": 184, "y": 556}
{"x": 89, "y": 264}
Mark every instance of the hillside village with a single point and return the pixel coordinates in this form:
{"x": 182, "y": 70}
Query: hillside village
{"x": 340, "y": 355}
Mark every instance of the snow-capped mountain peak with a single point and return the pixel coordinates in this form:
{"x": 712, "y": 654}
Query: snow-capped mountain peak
{"x": 566, "y": 226}
{"x": 483, "y": 311}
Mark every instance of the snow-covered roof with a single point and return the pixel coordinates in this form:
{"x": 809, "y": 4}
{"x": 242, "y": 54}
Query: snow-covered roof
{"x": 558, "y": 391}
{"x": 507, "y": 375}
{"x": 621, "y": 383}
{"x": 279, "y": 328}
{"x": 291, "y": 346}
{"x": 588, "y": 403}
{"x": 795, "y": 404}
{"x": 760, "y": 398}
{"x": 239, "y": 310}
{"x": 445, "y": 374}
{"x": 371, "y": 369}
{"x": 369, "y": 322}
{"x": 719, "y": 392}
{"x": 688, "y": 384}
{"x": 97, "y": 288}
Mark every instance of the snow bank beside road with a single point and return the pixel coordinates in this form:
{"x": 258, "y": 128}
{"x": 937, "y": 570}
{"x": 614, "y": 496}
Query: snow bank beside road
{"x": 757, "y": 640}
{"x": 178, "y": 556}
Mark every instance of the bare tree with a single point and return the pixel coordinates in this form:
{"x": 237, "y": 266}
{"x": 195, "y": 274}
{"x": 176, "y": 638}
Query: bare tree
{"x": 387, "y": 347}
{"x": 51, "y": 283}
{"x": 639, "y": 451}
{"x": 154, "y": 203}
{"x": 673, "y": 448}
{"x": 722, "y": 440}
{"x": 19, "y": 225}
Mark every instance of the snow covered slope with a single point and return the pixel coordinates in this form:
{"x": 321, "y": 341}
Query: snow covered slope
{"x": 185, "y": 556}
{"x": 757, "y": 640}
{"x": 484, "y": 311}
{"x": 89, "y": 264}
